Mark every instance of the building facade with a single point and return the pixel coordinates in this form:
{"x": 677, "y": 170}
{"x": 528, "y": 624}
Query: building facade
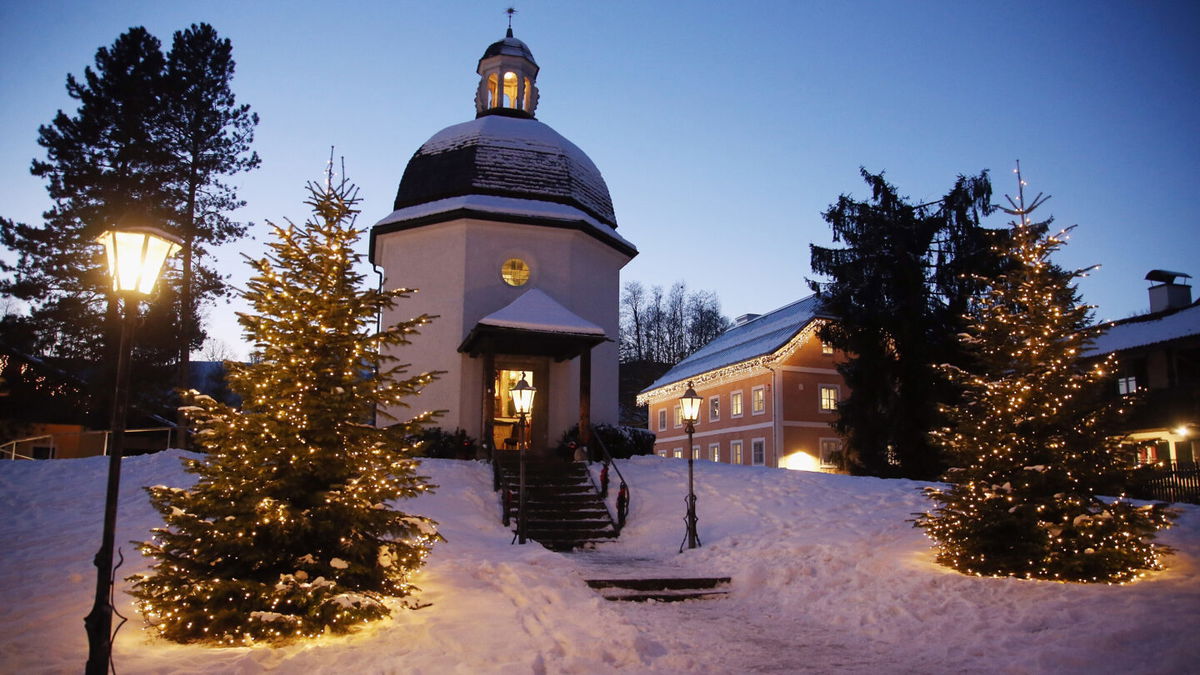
{"x": 1158, "y": 361}
{"x": 507, "y": 232}
{"x": 770, "y": 390}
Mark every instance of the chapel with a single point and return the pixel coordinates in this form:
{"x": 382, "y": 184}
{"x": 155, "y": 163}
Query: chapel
{"x": 507, "y": 231}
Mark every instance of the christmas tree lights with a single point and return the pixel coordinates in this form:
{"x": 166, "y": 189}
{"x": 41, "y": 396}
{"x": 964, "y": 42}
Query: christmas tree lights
{"x": 1034, "y": 437}
{"x": 288, "y": 532}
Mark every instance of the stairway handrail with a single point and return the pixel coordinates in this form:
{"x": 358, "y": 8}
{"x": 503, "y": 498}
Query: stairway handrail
{"x": 623, "y": 493}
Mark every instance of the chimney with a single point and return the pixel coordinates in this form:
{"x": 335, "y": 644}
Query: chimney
{"x": 1168, "y": 294}
{"x": 745, "y": 319}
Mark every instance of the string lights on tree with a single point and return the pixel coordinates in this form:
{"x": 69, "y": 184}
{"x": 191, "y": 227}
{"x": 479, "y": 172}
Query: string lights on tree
{"x": 289, "y": 531}
{"x": 1034, "y": 437}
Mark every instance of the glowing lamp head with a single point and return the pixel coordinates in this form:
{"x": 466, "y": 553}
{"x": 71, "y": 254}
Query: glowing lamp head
{"x": 689, "y": 405}
{"x": 522, "y": 396}
{"x": 1182, "y": 430}
{"x": 136, "y": 256}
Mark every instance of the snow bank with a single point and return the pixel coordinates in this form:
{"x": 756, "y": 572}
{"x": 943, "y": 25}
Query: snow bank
{"x": 827, "y": 576}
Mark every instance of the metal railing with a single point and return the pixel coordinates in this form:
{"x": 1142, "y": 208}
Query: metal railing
{"x": 76, "y": 444}
{"x": 622, "y": 490}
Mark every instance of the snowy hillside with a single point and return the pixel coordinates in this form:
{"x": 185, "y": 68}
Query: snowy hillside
{"x": 827, "y": 577}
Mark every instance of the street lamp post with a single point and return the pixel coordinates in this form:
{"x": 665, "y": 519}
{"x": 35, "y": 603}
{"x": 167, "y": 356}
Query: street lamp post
{"x": 522, "y": 397}
{"x": 689, "y": 409}
{"x": 135, "y": 258}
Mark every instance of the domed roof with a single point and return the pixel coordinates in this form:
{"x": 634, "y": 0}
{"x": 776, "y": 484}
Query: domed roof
{"x": 509, "y": 46}
{"x": 506, "y": 157}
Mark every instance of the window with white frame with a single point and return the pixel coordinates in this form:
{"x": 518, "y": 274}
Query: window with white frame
{"x": 735, "y": 452}
{"x": 758, "y": 451}
{"x": 1127, "y": 385}
{"x": 662, "y": 419}
{"x": 758, "y": 400}
{"x": 735, "y": 403}
{"x": 695, "y": 452}
{"x": 829, "y": 397}
{"x": 664, "y": 452}
{"x": 678, "y": 453}
{"x": 714, "y": 408}
{"x": 678, "y": 415}
{"x": 831, "y": 453}
{"x": 826, "y": 348}
{"x": 714, "y": 452}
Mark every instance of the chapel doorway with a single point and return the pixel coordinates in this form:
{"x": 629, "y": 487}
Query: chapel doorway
{"x": 505, "y": 422}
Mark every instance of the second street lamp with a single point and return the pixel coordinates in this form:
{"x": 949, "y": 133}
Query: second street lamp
{"x": 522, "y": 396}
{"x": 135, "y": 257}
{"x": 689, "y": 409}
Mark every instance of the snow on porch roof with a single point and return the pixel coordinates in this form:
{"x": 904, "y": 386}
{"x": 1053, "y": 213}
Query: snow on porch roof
{"x": 536, "y": 311}
{"x": 533, "y": 324}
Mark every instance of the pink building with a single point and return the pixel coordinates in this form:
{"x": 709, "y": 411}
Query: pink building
{"x": 771, "y": 390}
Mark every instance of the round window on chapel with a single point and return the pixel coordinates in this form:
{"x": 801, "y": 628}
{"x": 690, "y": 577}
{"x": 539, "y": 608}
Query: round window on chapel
{"x": 515, "y": 272}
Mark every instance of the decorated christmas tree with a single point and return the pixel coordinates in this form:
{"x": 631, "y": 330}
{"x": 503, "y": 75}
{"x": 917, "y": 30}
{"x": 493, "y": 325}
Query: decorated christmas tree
{"x": 1034, "y": 438}
{"x": 290, "y": 530}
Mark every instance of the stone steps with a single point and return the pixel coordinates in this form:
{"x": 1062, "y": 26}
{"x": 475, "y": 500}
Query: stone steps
{"x": 661, "y": 589}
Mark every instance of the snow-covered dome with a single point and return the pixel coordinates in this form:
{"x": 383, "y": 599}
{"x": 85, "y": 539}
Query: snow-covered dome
{"x": 504, "y": 156}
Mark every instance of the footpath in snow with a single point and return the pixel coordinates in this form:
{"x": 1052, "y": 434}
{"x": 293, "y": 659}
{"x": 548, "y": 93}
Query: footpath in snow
{"x": 828, "y": 576}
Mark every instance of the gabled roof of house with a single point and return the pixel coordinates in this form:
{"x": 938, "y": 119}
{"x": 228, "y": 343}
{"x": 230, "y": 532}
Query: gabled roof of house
{"x": 1148, "y": 329}
{"x": 757, "y": 337}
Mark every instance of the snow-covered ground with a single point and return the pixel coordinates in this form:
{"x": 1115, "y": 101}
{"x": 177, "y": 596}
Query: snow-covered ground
{"x": 828, "y": 576}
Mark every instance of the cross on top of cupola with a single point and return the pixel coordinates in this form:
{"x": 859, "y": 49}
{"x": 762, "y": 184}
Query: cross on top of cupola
{"x": 507, "y": 76}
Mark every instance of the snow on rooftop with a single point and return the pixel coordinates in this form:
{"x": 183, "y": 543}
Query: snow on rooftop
{"x": 757, "y": 337}
{"x": 1139, "y": 333}
{"x": 504, "y": 205}
{"x": 536, "y": 311}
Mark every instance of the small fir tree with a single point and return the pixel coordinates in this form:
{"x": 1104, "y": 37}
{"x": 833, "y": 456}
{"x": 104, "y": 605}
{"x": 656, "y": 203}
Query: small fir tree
{"x": 1035, "y": 437}
{"x": 288, "y": 532}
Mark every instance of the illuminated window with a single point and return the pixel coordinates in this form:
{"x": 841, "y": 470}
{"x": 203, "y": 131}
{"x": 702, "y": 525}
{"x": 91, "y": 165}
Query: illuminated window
{"x": 758, "y": 451}
{"x": 758, "y": 401}
{"x": 678, "y": 415}
{"x": 831, "y": 453}
{"x": 829, "y": 397}
{"x": 515, "y": 272}
{"x": 1127, "y": 385}
{"x": 714, "y": 408}
{"x": 662, "y": 419}
{"x": 735, "y": 452}
{"x": 493, "y": 91}
{"x": 525, "y": 100}
{"x": 735, "y": 404}
{"x": 678, "y": 453}
{"x": 510, "y": 90}
{"x": 714, "y": 452}
{"x": 695, "y": 452}
{"x": 826, "y": 348}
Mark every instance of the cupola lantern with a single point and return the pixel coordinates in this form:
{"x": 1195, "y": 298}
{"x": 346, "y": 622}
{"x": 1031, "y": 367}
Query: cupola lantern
{"x": 507, "y": 76}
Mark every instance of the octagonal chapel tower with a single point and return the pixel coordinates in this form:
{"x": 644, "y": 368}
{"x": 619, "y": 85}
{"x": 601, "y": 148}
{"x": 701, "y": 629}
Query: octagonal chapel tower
{"x": 507, "y": 231}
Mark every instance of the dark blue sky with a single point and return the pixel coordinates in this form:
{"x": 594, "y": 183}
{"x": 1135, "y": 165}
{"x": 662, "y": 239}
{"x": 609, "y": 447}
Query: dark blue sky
{"x": 723, "y": 129}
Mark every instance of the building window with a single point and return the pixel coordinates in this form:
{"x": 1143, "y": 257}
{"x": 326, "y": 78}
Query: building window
{"x": 758, "y": 451}
{"x": 678, "y": 419}
{"x": 1127, "y": 385}
{"x": 678, "y": 453}
{"x": 735, "y": 452}
{"x": 735, "y": 403}
{"x": 826, "y": 348}
{"x": 714, "y": 408}
{"x": 662, "y": 419}
{"x": 695, "y": 452}
{"x": 758, "y": 401}
{"x": 515, "y": 272}
{"x": 831, "y": 453}
{"x": 829, "y": 397}
{"x": 714, "y": 452}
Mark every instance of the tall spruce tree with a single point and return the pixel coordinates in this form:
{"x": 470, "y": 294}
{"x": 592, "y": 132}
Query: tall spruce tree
{"x": 148, "y": 144}
{"x": 898, "y": 288}
{"x": 289, "y": 530}
{"x": 1034, "y": 437}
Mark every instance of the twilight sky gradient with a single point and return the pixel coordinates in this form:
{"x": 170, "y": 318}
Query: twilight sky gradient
{"x": 723, "y": 129}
